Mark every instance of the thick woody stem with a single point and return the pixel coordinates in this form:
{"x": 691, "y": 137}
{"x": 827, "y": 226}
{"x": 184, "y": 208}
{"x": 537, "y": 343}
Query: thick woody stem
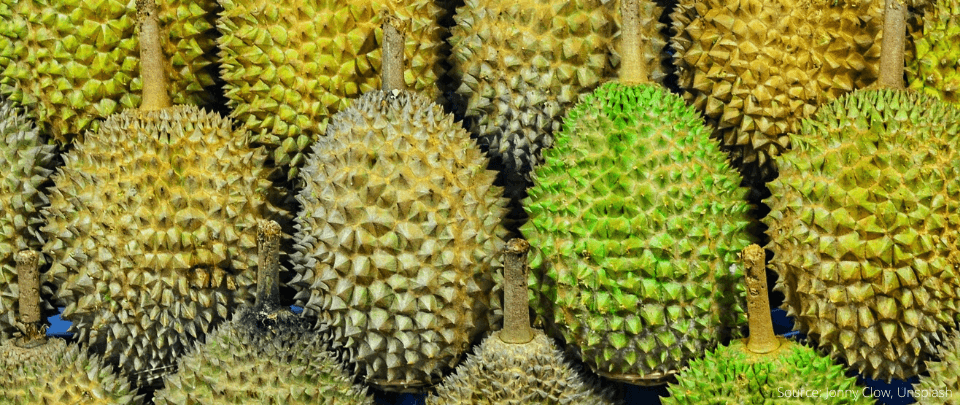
{"x": 892, "y": 47}
{"x": 762, "y": 339}
{"x": 155, "y": 95}
{"x": 392, "y": 58}
{"x": 268, "y": 263}
{"x": 633, "y": 69}
{"x": 516, "y": 305}
{"x": 28, "y": 279}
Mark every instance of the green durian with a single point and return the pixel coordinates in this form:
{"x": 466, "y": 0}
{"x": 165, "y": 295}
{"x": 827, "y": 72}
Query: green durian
{"x": 75, "y": 62}
{"x": 863, "y": 222}
{"x": 151, "y": 228}
{"x": 942, "y": 386}
{"x": 290, "y": 65}
{"x": 637, "y": 220}
{"x": 25, "y": 161}
{"x": 935, "y": 68}
{"x": 523, "y": 64}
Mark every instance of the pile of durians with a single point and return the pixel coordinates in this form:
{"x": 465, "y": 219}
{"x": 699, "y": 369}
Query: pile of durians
{"x": 175, "y": 173}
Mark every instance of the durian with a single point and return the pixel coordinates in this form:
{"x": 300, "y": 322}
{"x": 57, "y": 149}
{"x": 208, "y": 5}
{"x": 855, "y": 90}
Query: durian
{"x": 290, "y": 65}
{"x": 935, "y": 69}
{"x": 517, "y": 365}
{"x": 764, "y": 368}
{"x": 942, "y": 386}
{"x": 24, "y": 163}
{"x": 75, "y": 62}
{"x": 863, "y": 223}
{"x": 754, "y": 68}
{"x": 151, "y": 226}
{"x": 396, "y": 238}
{"x": 638, "y": 220}
{"x": 522, "y": 64}
{"x": 266, "y": 354}
{"x": 37, "y": 370}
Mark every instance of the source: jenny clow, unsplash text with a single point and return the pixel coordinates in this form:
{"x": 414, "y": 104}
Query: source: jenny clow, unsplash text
{"x": 803, "y": 392}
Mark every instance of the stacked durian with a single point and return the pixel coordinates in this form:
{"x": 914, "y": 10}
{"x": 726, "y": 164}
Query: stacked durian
{"x": 266, "y": 354}
{"x": 763, "y": 368}
{"x": 935, "y": 68}
{"x": 37, "y": 370}
{"x": 24, "y": 166}
{"x": 523, "y": 64}
{"x": 942, "y": 386}
{"x": 290, "y": 65}
{"x": 396, "y": 239}
{"x": 518, "y": 364}
{"x": 756, "y": 67}
{"x": 151, "y": 225}
{"x": 637, "y": 220}
{"x": 73, "y": 63}
{"x": 863, "y": 222}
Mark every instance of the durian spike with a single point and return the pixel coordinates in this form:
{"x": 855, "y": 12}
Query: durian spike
{"x": 268, "y": 252}
{"x": 155, "y": 87}
{"x": 892, "y": 47}
{"x": 392, "y": 54}
{"x": 762, "y": 339}
{"x": 516, "y": 304}
{"x": 28, "y": 278}
{"x": 633, "y": 68}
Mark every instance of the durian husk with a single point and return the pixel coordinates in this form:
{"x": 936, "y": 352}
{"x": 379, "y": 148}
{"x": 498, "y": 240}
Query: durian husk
{"x": 530, "y": 373}
{"x": 755, "y": 68}
{"x": 942, "y": 385}
{"x": 636, "y": 221}
{"x": 522, "y": 64}
{"x": 152, "y": 231}
{"x": 397, "y": 239}
{"x": 935, "y": 67}
{"x": 25, "y": 161}
{"x": 75, "y": 62}
{"x": 290, "y": 65}
{"x": 735, "y": 375}
{"x": 266, "y": 354}
{"x": 57, "y": 373}
{"x": 862, "y": 229}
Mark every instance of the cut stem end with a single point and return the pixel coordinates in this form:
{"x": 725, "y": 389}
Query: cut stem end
{"x": 762, "y": 339}
{"x": 516, "y": 304}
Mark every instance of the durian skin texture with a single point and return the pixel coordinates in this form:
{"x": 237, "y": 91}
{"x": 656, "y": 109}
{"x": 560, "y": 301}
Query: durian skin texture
{"x": 518, "y": 374}
{"x": 733, "y": 375}
{"x": 290, "y": 65}
{"x": 754, "y": 68}
{"x": 523, "y": 64}
{"x": 399, "y": 239}
{"x": 252, "y": 360}
{"x": 152, "y": 232}
{"x": 944, "y": 375}
{"x": 61, "y": 374}
{"x": 24, "y": 166}
{"x": 863, "y": 222}
{"x": 75, "y": 62}
{"x": 636, "y": 221}
{"x": 935, "y": 69}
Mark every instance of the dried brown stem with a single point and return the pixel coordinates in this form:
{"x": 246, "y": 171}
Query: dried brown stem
{"x": 762, "y": 339}
{"x": 155, "y": 94}
{"x": 268, "y": 263}
{"x": 392, "y": 58}
{"x": 28, "y": 280}
{"x": 516, "y": 305}
{"x": 633, "y": 69}
{"x": 892, "y": 47}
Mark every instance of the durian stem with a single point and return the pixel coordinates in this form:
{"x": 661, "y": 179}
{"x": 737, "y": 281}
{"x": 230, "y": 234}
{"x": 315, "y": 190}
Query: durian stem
{"x": 762, "y": 339}
{"x": 28, "y": 279}
{"x": 268, "y": 263}
{"x": 155, "y": 95}
{"x": 633, "y": 69}
{"x": 892, "y": 47}
{"x": 392, "y": 58}
{"x": 516, "y": 304}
